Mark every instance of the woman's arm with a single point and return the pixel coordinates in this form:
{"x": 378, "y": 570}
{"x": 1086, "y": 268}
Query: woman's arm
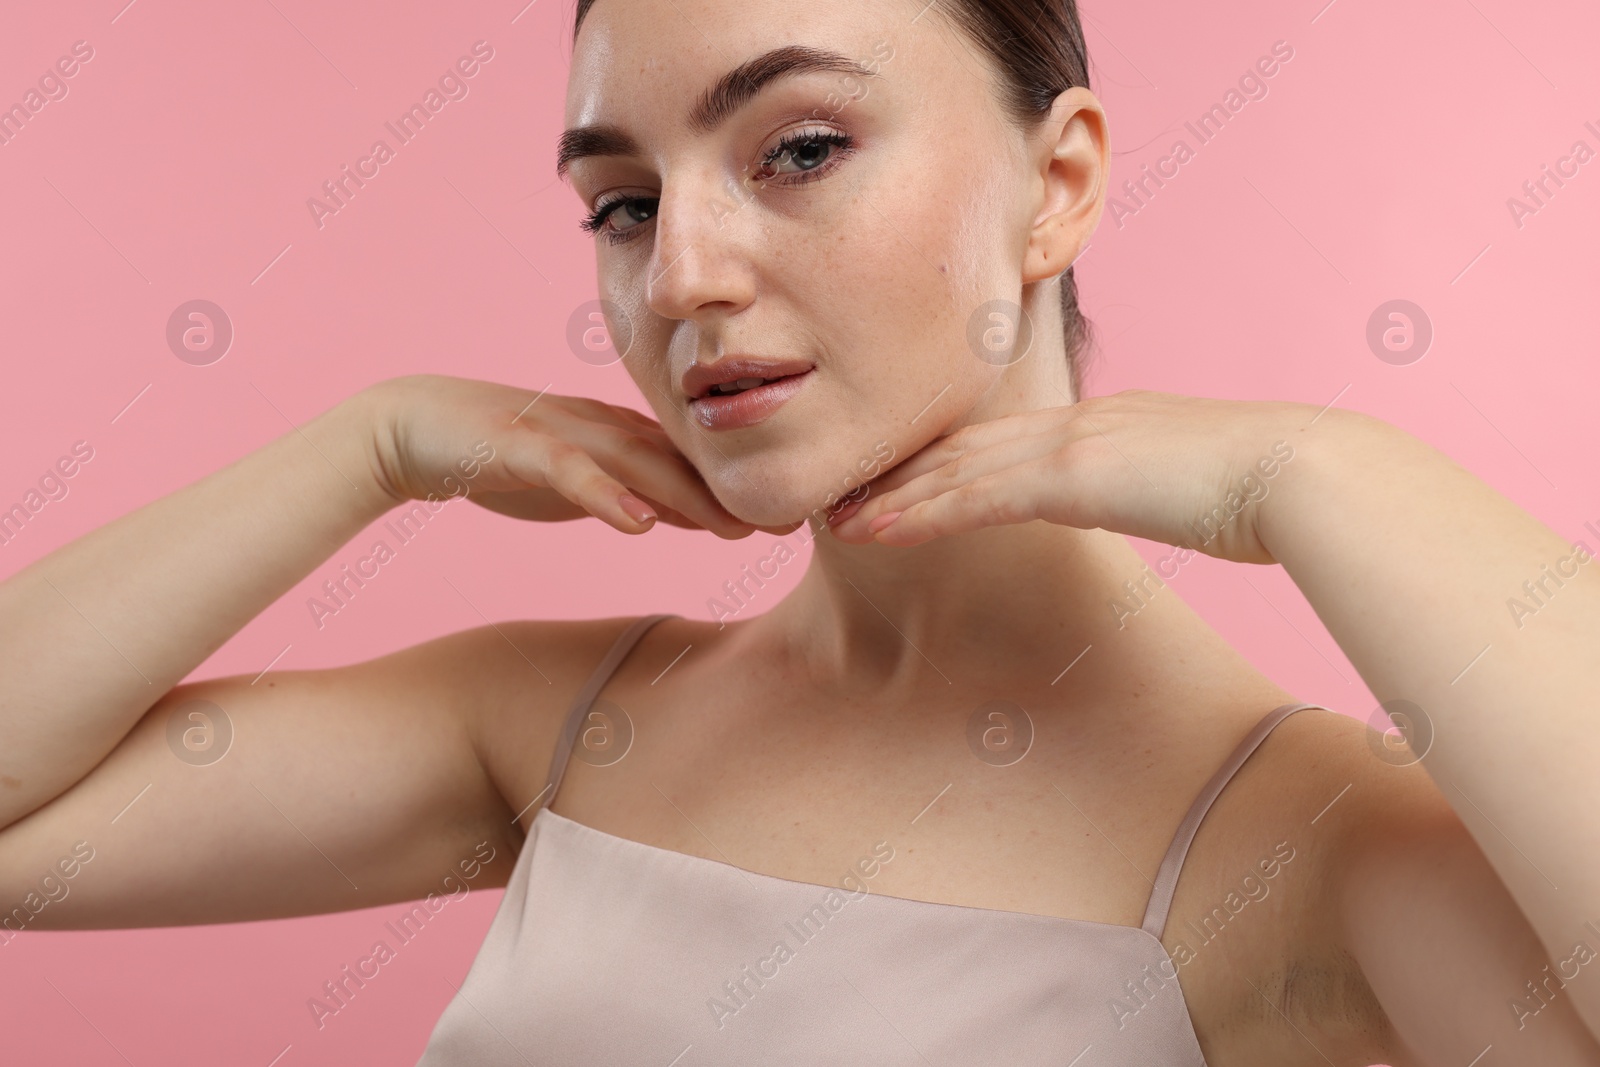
{"x": 1445, "y": 594}
{"x": 102, "y": 628}
{"x": 341, "y": 788}
{"x": 127, "y": 799}
{"x": 1442, "y": 592}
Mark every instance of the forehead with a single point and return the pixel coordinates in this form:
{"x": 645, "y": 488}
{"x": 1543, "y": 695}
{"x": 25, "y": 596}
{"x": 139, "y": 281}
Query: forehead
{"x": 634, "y": 52}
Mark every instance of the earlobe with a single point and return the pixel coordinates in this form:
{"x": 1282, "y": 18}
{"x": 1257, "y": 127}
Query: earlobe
{"x": 1074, "y": 169}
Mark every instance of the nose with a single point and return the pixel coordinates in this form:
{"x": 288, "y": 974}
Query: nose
{"x": 701, "y": 263}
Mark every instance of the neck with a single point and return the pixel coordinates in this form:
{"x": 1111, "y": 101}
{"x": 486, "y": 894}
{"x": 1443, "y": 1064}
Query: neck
{"x": 1021, "y": 597}
{"x": 1033, "y": 593}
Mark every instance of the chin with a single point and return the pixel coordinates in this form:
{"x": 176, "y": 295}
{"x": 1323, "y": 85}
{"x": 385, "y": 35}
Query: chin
{"x": 776, "y": 502}
{"x": 776, "y": 491}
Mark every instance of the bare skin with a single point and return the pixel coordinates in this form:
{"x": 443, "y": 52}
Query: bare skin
{"x": 787, "y": 742}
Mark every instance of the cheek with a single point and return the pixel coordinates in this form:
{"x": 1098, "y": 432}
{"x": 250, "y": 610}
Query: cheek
{"x": 648, "y": 360}
{"x": 986, "y": 240}
{"x": 897, "y": 279}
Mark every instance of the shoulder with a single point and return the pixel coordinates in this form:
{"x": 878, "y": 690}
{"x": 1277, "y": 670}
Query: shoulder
{"x": 1356, "y": 794}
{"x": 1326, "y": 775}
{"x": 1277, "y": 844}
{"x": 1355, "y": 770}
{"x": 1375, "y": 793}
{"x": 1336, "y": 744}
{"x": 1404, "y": 893}
{"x": 513, "y": 684}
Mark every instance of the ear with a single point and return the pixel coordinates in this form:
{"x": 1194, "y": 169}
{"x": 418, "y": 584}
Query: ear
{"x": 1073, "y": 155}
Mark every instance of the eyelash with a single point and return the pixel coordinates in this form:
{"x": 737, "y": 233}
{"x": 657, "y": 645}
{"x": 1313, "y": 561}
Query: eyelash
{"x": 842, "y": 143}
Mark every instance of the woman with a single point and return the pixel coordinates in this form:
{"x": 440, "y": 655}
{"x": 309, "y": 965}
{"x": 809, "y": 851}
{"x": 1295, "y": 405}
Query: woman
{"x": 934, "y": 805}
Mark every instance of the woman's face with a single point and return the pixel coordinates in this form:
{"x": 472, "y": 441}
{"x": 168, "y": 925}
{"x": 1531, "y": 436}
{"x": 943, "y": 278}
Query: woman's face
{"x": 854, "y": 260}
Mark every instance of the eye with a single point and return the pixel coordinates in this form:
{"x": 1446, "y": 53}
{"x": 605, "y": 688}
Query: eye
{"x": 805, "y": 154}
{"x": 619, "y": 215}
{"x": 799, "y": 157}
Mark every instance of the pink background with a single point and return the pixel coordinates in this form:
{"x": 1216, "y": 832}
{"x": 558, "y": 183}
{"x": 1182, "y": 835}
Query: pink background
{"x": 179, "y": 165}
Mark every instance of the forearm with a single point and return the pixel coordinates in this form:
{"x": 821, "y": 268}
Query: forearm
{"x": 1444, "y": 593}
{"x": 102, "y": 628}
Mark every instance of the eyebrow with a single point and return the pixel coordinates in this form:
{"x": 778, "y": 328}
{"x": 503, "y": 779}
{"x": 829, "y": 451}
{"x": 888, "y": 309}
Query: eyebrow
{"x": 731, "y": 92}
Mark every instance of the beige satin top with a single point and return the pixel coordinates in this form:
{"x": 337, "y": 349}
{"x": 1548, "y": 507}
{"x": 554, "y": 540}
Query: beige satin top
{"x": 609, "y": 951}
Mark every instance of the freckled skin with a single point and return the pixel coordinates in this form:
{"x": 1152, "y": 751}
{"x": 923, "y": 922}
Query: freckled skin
{"x": 872, "y": 270}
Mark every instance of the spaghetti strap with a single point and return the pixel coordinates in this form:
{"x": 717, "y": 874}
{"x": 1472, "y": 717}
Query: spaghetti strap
{"x": 580, "y": 704}
{"x": 1155, "y": 913}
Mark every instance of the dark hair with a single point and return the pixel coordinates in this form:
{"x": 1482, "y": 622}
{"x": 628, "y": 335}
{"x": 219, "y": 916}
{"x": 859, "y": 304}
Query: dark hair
{"x": 1039, "y": 50}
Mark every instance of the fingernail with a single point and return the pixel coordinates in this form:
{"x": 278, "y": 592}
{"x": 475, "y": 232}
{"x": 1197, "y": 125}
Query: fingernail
{"x": 883, "y": 520}
{"x": 637, "y": 509}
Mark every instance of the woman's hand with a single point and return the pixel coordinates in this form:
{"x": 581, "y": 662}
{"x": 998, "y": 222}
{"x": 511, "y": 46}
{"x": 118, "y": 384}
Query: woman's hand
{"x": 1180, "y": 470}
{"x": 539, "y": 457}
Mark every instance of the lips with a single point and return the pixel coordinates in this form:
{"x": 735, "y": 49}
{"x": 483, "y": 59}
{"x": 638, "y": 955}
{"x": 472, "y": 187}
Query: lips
{"x": 741, "y": 391}
{"x": 702, "y": 378}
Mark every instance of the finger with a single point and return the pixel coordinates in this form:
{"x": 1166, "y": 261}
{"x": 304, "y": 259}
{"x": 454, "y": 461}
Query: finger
{"x": 629, "y": 419}
{"x": 642, "y": 419}
{"x": 613, "y": 435}
{"x": 964, "y": 467}
{"x": 944, "y": 450}
{"x": 573, "y": 410}
{"x": 999, "y": 499}
{"x": 779, "y": 529}
{"x": 527, "y": 506}
{"x": 661, "y": 476}
{"x": 931, "y": 457}
{"x": 670, "y": 516}
{"x": 710, "y": 514}
{"x": 570, "y": 471}
{"x": 673, "y": 483}
{"x": 633, "y": 422}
